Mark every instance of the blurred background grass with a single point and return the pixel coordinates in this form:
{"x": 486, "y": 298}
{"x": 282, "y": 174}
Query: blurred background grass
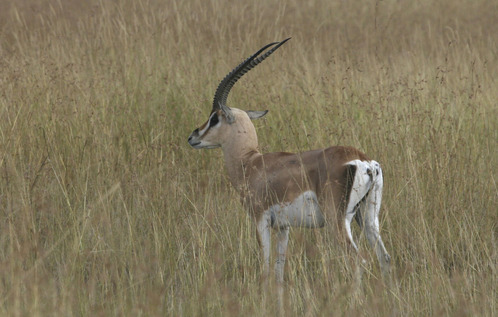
{"x": 106, "y": 210}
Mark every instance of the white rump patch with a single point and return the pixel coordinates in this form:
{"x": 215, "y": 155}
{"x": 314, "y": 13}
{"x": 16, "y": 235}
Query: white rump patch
{"x": 363, "y": 179}
{"x": 304, "y": 211}
{"x": 367, "y": 174}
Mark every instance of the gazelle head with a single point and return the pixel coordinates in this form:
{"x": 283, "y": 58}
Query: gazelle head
{"x": 224, "y": 121}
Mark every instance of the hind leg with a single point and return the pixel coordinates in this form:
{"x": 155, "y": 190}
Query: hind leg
{"x": 362, "y": 183}
{"x": 371, "y": 219}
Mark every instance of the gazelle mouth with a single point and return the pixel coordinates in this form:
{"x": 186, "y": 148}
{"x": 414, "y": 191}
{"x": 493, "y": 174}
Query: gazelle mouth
{"x": 194, "y": 144}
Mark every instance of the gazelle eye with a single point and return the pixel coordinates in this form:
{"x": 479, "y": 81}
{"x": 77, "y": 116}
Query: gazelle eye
{"x": 214, "y": 120}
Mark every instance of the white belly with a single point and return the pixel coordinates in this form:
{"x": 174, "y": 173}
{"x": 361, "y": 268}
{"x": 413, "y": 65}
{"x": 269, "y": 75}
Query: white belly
{"x": 302, "y": 212}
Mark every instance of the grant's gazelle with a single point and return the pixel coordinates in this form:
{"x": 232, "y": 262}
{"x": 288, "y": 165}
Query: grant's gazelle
{"x": 281, "y": 189}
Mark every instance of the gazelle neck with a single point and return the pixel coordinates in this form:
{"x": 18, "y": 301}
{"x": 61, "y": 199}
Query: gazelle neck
{"x": 240, "y": 150}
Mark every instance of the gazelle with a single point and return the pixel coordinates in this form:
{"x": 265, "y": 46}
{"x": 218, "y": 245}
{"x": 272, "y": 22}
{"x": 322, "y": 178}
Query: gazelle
{"x": 282, "y": 190}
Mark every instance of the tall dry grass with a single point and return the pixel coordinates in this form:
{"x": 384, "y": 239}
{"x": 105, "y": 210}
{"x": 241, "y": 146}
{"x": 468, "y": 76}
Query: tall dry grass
{"x": 106, "y": 210}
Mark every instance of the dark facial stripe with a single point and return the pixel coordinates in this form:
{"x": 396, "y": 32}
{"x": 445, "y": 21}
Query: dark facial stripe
{"x": 214, "y": 120}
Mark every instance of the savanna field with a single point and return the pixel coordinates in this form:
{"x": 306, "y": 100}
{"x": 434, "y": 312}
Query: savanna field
{"x": 106, "y": 210}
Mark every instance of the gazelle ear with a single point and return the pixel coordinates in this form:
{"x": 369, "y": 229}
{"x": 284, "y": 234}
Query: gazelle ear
{"x": 256, "y": 114}
{"x": 228, "y": 113}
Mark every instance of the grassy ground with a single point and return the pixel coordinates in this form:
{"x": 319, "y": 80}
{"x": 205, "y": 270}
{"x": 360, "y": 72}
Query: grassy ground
{"x": 106, "y": 210}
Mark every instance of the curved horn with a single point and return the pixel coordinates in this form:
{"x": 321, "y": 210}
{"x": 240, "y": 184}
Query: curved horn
{"x": 221, "y": 95}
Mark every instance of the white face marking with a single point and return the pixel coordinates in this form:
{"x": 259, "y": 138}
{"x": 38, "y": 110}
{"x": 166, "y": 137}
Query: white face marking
{"x": 207, "y": 127}
{"x": 302, "y": 212}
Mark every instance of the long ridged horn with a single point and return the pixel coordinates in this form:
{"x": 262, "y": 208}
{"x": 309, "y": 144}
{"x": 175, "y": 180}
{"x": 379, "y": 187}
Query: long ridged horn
{"x": 221, "y": 95}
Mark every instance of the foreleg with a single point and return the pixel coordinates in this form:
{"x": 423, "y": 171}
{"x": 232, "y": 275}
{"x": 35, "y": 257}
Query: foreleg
{"x": 282, "y": 241}
{"x": 263, "y": 225}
